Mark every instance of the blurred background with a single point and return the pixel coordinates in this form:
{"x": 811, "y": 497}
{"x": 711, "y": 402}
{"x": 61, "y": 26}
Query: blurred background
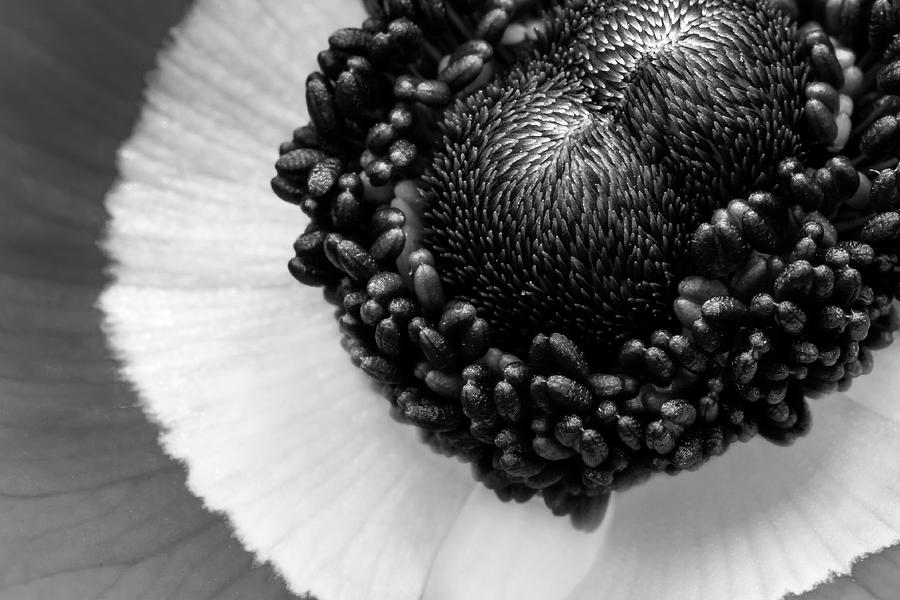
{"x": 90, "y": 507}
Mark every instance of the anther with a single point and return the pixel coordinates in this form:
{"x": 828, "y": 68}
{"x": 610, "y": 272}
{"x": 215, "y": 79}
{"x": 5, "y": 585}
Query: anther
{"x": 630, "y": 432}
{"x": 825, "y": 65}
{"x": 592, "y": 448}
{"x": 429, "y": 289}
{"x": 381, "y": 369}
{"x": 428, "y": 92}
{"x": 660, "y": 438}
{"x": 456, "y": 319}
{"x": 432, "y": 416}
{"x": 492, "y": 25}
{"x": 549, "y": 448}
{"x": 507, "y": 401}
{"x": 568, "y": 430}
{"x": 882, "y": 137}
{"x": 475, "y": 341}
{"x": 568, "y": 356}
{"x": 461, "y": 71}
{"x": 569, "y": 394}
{"x": 355, "y": 261}
{"x": 320, "y": 104}
{"x": 443, "y": 384}
{"x": 679, "y": 412}
{"x": 477, "y": 403}
{"x": 388, "y": 337}
{"x": 436, "y": 349}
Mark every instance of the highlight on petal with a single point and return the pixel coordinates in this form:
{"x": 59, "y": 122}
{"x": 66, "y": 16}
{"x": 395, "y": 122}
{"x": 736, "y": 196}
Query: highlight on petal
{"x": 91, "y": 506}
{"x": 241, "y": 368}
{"x": 512, "y": 551}
{"x": 765, "y": 521}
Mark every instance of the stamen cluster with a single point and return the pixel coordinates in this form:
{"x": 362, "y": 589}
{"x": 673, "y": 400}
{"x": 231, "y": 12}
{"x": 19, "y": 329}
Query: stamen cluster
{"x": 572, "y": 280}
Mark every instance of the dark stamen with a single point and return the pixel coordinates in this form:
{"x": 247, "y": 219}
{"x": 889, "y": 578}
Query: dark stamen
{"x": 579, "y": 257}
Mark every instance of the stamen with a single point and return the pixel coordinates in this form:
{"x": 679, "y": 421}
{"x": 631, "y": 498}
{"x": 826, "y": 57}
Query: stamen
{"x": 578, "y": 257}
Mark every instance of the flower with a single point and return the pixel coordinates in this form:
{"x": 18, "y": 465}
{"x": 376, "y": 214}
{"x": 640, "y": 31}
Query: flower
{"x": 209, "y": 332}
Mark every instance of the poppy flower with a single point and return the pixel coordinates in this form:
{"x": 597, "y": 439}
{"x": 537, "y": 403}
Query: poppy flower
{"x": 179, "y": 419}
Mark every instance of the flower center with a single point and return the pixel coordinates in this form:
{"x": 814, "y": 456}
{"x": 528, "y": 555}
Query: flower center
{"x": 565, "y": 195}
{"x": 581, "y": 242}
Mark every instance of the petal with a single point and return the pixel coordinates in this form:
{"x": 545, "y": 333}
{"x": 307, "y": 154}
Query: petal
{"x": 240, "y": 365}
{"x": 763, "y": 520}
{"x": 875, "y": 578}
{"x": 185, "y": 313}
{"x": 91, "y": 506}
{"x": 512, "y": 551}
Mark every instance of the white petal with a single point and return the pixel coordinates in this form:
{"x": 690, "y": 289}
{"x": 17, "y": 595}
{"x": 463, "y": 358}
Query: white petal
{"x": 241, "y": 365}
{"x": 875, "y": 578}
{"x": 763, "y": 521}
{"x": 507, "y": 551}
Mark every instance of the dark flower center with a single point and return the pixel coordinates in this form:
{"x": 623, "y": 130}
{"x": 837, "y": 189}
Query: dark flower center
{"x": 611, "y": 247}
{"x": 566, "y": 193}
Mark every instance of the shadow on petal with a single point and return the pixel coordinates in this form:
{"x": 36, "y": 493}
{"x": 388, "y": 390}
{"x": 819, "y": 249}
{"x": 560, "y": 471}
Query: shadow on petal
{"x": 510, "y": 551}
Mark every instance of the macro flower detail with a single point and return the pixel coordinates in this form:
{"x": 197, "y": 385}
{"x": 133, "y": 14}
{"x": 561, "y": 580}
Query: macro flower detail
{"x": 608, "y": 248}
{"x": 649, "y": 247}
{"x": 178, "y": 420}
{"x": 567, "y": 192}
